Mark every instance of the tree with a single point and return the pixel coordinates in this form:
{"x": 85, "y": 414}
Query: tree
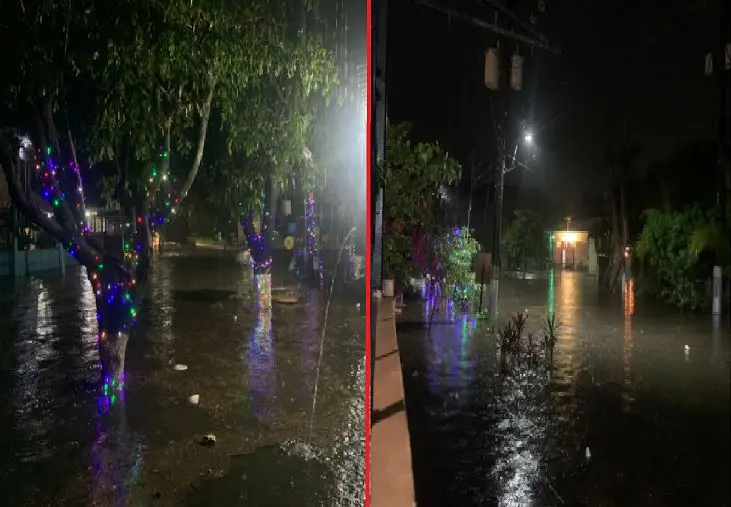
{"x": 524, "y": 240}
{"x": 622, "y": 160}
{"x": 456, "y": 250}
{"x": 413, "y": 208}
{"x": 137, "y": 82}
{"x": 284, "y": 107}
{"x": 671, "y": 248}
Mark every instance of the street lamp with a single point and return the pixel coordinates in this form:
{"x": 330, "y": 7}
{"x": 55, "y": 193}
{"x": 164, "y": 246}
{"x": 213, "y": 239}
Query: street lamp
{"x": 528, "y": 138}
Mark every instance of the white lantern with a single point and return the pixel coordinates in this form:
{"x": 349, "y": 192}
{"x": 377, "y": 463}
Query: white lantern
{"x": 492, "y": 69}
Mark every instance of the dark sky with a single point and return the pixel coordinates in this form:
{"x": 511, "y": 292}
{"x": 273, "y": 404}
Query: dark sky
{"x": 620, "y": 61}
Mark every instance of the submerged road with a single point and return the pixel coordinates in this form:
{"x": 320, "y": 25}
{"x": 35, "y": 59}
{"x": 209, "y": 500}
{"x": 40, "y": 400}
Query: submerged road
{"x": 629, "y": 417}
{"x": 64, "y": 444}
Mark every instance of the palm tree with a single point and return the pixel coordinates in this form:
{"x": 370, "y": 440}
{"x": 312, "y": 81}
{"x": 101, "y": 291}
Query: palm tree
{"x": 622, "y": 161}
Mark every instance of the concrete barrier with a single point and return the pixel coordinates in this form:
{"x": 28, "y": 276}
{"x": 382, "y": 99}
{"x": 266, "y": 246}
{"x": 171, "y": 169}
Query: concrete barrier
{"x": 392, "y": 481}
{"x": 27, "y": 262}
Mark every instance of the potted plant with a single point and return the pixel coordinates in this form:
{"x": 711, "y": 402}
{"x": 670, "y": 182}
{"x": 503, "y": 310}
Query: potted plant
{"x": 392, "y": 266}
{"x": 389, "y": 284}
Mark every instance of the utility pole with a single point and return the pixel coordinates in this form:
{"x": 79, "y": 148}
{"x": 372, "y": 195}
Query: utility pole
{"x": 718, "y": 66}
{"x": 378, "y": 135}
{"x": 378, "y": 148}
{"x": 724, "y": 84}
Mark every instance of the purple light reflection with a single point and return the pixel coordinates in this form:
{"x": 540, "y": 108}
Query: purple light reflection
{"x": 262, "y": 366}
{"x": 309, "y": 344}
{"x": 115, "y": 456}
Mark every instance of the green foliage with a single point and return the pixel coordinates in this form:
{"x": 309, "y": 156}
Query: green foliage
{"x": 524, "y": 240}
{"x": 457, "y": 250}
{"x": 135, "y": 75}
{"x": 413, "y": 211}
{"x": 669, "y": 246}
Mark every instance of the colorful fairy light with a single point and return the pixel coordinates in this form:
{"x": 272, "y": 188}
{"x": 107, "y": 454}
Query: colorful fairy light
{"x": 263, "y": 283}
{"x": 311, "y": 230}
{"x": 258, "y": 242}
{"x": 112, "y": 392}
{"x": 115, "y": 288}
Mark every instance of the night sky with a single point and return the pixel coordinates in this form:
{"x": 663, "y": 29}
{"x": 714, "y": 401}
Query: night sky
{"x": 619, "y": 61}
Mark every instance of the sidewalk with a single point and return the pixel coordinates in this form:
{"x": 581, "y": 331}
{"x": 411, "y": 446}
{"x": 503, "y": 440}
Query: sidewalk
{"x": 392, "y": 482}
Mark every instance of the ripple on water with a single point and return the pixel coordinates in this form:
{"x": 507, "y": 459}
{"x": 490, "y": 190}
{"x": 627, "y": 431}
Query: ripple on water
{"x": 56, "y": 449}
{"x": 656, "y": 420}
{"x": 292, "y": 473}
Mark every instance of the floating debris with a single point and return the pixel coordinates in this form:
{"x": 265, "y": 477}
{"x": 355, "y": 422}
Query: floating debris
{"x": 209, "y": 440}
{"x": 587, "y": 454}
{"x": 286, "y": 299}
{"x": 180, "y": 367}
{"x": 195, "y": 399}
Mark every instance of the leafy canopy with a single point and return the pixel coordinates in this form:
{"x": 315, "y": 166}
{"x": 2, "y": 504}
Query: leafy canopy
{"x": 413, "y": 209}
{"x": 524, "y": 239}
{"x": 671, "y": 245}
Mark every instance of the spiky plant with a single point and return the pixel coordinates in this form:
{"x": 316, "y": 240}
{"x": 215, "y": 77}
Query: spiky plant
{"x": 550, "y": 336}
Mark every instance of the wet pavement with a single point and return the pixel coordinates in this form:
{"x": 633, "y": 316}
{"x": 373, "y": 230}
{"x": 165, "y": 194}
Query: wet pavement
{"x": 652, "y": 413}
{"x": 64, "y": 444}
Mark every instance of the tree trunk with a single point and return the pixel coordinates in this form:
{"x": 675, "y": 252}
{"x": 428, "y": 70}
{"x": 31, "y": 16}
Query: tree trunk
{"x": 117, "y": 297}
{"x": 258, "y": 243}
{"x": 616, "y": 250}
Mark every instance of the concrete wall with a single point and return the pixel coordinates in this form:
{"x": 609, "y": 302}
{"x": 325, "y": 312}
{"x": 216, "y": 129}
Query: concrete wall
{"x": 392, "y": 482}
{"x": 26, "y": 262}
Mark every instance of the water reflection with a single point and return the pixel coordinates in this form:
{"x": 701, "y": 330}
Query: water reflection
{"x": 309, "y": 345}
{"x": 567, "y": 310}
{"x": 628, "y": 297}
{"x": 716, "y": 337}
{"x": 261, "y": 355}
{"x": 35, "y": 346}
{"x": 89, "y": 326}
{"x": 116, "y": 454}
{"x": 162, "y": 312}
{"x": 450, "y": 364}
{"x": 65, "y": 443}
{"x": 656, "y": 427}
{"x": 551, "y": 293}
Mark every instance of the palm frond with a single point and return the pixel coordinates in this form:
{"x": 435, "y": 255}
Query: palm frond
{"x": 709, "y": 238}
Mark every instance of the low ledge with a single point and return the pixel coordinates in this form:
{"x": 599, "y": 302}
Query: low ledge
{"x": 392, "y": 481}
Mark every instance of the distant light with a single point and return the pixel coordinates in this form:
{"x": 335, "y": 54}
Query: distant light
{"x": 528, "y": 138}
{"x": 569, "y": 237}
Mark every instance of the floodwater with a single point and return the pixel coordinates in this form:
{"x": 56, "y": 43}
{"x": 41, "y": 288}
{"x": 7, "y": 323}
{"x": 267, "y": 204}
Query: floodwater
{"x": 63, "y": 444}
{"x": 630, "y": 416}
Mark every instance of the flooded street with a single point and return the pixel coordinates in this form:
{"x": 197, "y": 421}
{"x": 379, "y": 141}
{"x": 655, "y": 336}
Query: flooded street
{"x": 630, "y": 416}
{"x": 63, "y": 443}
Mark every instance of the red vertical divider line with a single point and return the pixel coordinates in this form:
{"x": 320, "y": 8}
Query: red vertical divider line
{"x": 369, "y": 309}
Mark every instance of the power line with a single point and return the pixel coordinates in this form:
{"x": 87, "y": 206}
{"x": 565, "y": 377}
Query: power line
{"x": 493, "y": 27}
{"x": 499, "y": 6}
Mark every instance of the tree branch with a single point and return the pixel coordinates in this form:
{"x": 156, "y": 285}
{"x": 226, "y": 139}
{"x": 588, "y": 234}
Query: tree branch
{"x": 202, "y": 132}
{"x": 36, "y": 209}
